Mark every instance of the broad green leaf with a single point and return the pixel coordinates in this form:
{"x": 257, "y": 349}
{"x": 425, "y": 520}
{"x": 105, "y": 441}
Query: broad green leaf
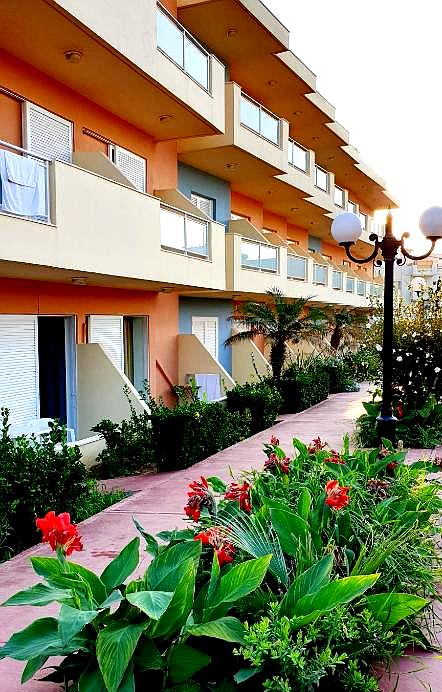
{"x": 240, "y": 581}
{"x": 31, "y": 668}
{"x": 41, "y": 638}
{"x": 300, "y": 446}
{"x": 164, "y": 572}
{"x": 176, "y": 535}
{"x": 185, "y": 661}
{"x": 310, "y": 581}
{"x": 115, "y": 647}
{"x": 71, "y": 621}
{"x": 245, "y": 674}
{"x": 128, "y": 681}
{"x": 390, "y": 608}
{"x": 291, "y": 530}
{"x": 181, "y": 604}
{"x": 39, "y": 595}
{"x": 217, "y": 484}
{"x": 122, "y": 566}
{"x": 151, "y": 541}
{"x": 114, "y": 597}
{"x": 95, "y": 584}
{"x": 91, "y": 680}
{"x": 153, "y": 603}
{"x": 50, "y": 569}
{"x": 229, "y": 629}
{"x": 46, "y": 567}
{"x": 304, "y": 504}
{"x": 148, "y": 657}
{"x": 214, "y": 577}
{"x": 338, "y": 592}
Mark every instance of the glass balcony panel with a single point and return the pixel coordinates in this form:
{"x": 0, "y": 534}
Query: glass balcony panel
{"x": 170, "y": 38}
{"x": 196, "y": 237}
{"x": 352, "y": 207}
{"x": 172, "y": 230}
{"x": 350, "y": 287}
{"x": 269, "y": 258}
{"x": 269, "y": 127}
{"x": 196, "y": 62}
{"x": 339, "y": 197}
{"x": 249, "y": 255}
{"x": 296, "y": 267}
{"x": 360, "y": 288}
{"x": 249, "y": 114}
{"x": 320, "y": 274}
{"x": 321, "y": 179}
{"x": 337, "y": 280}
{"x": 298, "y": 156}
{"x": 363, "y": 219}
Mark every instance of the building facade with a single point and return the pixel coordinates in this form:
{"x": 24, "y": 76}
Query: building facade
{"x": 159, "y": 163}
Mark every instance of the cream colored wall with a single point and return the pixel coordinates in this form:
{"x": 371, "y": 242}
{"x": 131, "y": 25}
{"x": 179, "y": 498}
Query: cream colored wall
{"x": 131, "y": 30}
{"x": 90, "y": 448}
{"x": 247, "y": 360}
{"x": 107, "y": 228}
{"x": 99, "y": 163}
{"x": 100, "y": 392}
{"x": 193, "y": 357}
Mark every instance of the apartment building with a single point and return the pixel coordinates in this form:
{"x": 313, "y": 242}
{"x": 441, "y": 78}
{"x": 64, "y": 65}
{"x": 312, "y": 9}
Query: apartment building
{"x": 159, "y": 163}
{"x": 414, "y": 278}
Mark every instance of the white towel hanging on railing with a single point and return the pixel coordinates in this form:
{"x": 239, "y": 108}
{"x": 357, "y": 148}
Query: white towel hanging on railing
{"x": 23, "y": 185}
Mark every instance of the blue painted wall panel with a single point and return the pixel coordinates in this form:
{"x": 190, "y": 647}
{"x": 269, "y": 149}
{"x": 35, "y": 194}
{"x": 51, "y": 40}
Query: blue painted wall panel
{"x": 201, "y": 307}
{"x": 192, "y": 180}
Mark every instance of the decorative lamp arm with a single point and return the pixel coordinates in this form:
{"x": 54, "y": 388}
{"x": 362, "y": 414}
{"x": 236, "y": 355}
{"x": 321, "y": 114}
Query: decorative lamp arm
{"x": 377, "y": 244}
{"x": 405, "y": 252}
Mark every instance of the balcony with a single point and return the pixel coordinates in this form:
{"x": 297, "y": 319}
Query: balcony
{"x": 254, "y": 145}
{"x": 155, "y": 67}
{"x": 111, "y": 235}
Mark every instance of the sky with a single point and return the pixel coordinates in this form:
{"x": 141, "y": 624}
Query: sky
{"x": 379, "y": 63}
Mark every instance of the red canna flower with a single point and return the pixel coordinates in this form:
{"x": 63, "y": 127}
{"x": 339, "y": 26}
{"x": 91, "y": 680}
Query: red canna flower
{"x": 274, "y": 441}
{"x": 240, "y": 493}
{"x": 199, "y": 497}
{"x": 337, "y": 496}
{"x": 334, "y": 458}
{"x": 58, "y": 531}
{"x": 400, "y": 410}
{"x": 224, "y": 549}
{"x": 273, "y": 461}
{"x": 316, "y": 445}
{"x": 391, "y": 465}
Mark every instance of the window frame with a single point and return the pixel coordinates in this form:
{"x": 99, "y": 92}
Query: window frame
{"x": 260, "y": 268}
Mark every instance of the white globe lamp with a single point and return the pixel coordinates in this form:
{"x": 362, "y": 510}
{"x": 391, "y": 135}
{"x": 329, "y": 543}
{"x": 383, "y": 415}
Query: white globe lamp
{"x": 430, "y": 222}
{"x": 346, "y": 228}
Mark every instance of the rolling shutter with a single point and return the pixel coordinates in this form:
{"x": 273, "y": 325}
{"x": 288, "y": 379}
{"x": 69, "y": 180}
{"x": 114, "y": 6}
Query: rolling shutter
{"x": 47, "y": 134}
{"x": 19, "y": 391}
{"x": 107, "y": 330}
{"x": 206, "y": 329}
{"x": 204, "y": 204}
{"x": 131, "y": 165}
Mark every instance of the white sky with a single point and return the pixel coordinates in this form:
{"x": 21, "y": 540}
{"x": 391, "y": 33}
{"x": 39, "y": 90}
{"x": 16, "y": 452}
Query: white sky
{"x": 379, "y": 63}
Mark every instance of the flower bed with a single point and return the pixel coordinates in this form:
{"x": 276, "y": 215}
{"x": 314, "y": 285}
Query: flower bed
{"x": 297, "y": 577}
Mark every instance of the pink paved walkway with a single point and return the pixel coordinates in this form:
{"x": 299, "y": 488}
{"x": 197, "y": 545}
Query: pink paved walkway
{"x": 158, "y": 502}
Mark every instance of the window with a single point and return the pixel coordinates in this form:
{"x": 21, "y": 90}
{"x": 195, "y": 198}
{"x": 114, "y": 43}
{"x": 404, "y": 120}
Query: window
{"x": 321, "y": 179}
{"x": 184, "y": 233}
{"x": 204, "y": 204}
{"x": 363, "y": 219}
{"x": 337, "y": 280}
{"x": 339, "y": 197}
{"x": 259, "y": 256}
{"x": 314, "y": 244}
{"x": 320, "y": 274}
{"x": 258, "y": 119}
{"x": 131, "y": 165}
{"x": 352, "y": 206}
{"x": 19, "y": 367}
{"x": 296, "y": 267}
{"x": 298, "y": 156}
{"x": 183, "y": 49}
{"x": 350, "y": 286}
{"x": 206, "y": 329}
{"x": 360, "y": 288}
{"x": 46, "y": 134}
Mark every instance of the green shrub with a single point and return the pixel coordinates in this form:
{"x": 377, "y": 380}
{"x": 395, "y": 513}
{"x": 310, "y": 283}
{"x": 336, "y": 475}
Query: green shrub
{"x": 95, "y": 500}
{"x": 340, "y": 374}
{"x": 128, "y": 446}
{"x": 304, "y": 383}
{"x": 365, "y": 364}
{"x": 261, "y": 399}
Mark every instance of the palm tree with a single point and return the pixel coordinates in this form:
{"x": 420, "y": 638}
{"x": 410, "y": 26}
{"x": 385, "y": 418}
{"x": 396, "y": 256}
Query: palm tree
{"x": 345, "y": 327}
{"x": 280, "y": 320}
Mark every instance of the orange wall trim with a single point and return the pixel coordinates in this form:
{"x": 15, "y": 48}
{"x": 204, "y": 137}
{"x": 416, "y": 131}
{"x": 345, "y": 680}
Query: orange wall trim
{"x": 44, "y": 298}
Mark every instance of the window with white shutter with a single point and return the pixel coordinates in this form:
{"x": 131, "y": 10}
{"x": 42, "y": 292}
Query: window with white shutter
{"x": 19, "y": 390}
{"x": 107, "y": 330}
{"x": 204, "y": 204}
{"x": 131, "y": 165}
{"x": 47, "y": 134}
{"x": 206, "y": 329}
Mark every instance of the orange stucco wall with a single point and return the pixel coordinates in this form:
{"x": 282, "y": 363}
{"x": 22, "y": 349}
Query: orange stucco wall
{"x": 246, "y": 206}
{"x": 35, "y": 86}
{"x": 274, "y": 222}
{"x": 45, "y": 298}
{"x": 298, "y": 234}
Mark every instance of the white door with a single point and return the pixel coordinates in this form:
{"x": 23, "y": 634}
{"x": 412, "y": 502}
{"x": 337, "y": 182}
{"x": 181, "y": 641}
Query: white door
{"x": 107, "y": 330}
{"x": 206, "y": 329}
{"x": 47, "y": 134}
{"x": 131, "y": 165}
{"x": 19, "y": 391}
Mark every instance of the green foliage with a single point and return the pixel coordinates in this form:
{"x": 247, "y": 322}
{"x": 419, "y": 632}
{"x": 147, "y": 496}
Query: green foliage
{"x": 304, "y": 383}
{"x": 341, "y": 374}
{"x": 365, "y": 364}
{"x": 262, "y": 400}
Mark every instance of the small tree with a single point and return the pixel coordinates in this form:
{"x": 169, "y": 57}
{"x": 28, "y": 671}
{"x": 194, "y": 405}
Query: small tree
{"x": 279, "y": 320}
{"x": 345, "y": 327}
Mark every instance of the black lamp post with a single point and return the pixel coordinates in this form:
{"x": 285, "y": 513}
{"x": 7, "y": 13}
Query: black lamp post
{"x": 346, "y": 230}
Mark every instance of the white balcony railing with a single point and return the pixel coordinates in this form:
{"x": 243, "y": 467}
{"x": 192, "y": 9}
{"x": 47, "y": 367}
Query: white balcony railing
{"x": 177, "y": 44}
{"x": 260, "y": 120}
{"x": 259, "y": 256}
{"x": 337, "y": 280}
{"x": 296, "y": 267}
{"x": 298, "y": 156}
{"x": 24, "y": 184}
{"x": 322, "y": 179}
{"x": 361, "y": 288}
{"x": 184, "y": 233}
{"x": 350, "y": 285}
{"x": 320, "y": 274}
